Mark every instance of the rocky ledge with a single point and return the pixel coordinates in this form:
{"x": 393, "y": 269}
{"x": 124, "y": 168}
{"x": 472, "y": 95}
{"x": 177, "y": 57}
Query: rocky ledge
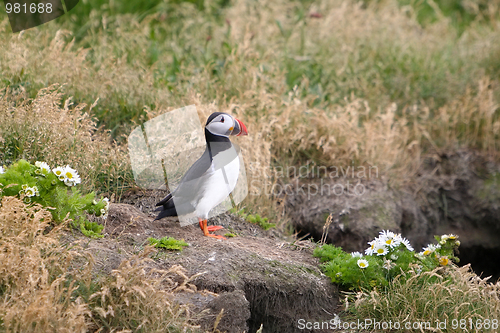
{"x": 257, "y": 277}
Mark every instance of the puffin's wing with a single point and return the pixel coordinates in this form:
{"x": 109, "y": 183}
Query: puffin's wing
{"x": 188, "y": 188}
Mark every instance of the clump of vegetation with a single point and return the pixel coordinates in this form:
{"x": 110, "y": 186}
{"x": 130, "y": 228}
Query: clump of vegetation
{"x": 35, "y": 288}
{"x": 388, "y": 256}
{"x": 92, "y": 229}
{"x": 51, "y": 127}
{"x": 47, "y": 287}
{"x": 54, "y": 189}
{"x": 421, "y": 289}
{"x": 168, "y": 243}
{"x": 139, "y": 299}
{"x": 255, "y": 219}
{"x": 322, "y": 81}
{"x": 454, "y": 297}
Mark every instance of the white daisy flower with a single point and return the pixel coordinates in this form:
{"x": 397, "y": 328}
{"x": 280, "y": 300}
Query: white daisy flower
{"x": 407, "y": 244}
{"x": 59, "y": 172}
{"x": 24, "y": 187}
{"x": 388, "y": 238}
{"x": 44, "y": 167}
{"x": 106, "y": 200}
{"x": 356, "y": 254}
{"x": 71, "y": 176}
{"x": 30, "y": 192}
{"x": 362, "y": 263}
{"x": 380, "y": 249}
{"x": 450, "y": 236}
{"x": 387, "y": 233}
{"x": 104, "y": 213}
{"x": 394, "y": 257}
{"x": 369, "y": 251}
{"x": 2, "y": 170}
{"x": 430, "y": 249}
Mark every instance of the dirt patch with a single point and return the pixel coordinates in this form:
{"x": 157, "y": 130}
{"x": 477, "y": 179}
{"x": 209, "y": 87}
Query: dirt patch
{"x": 259, "y": 276}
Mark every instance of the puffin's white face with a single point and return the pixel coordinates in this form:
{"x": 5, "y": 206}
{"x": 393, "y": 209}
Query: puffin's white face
{"x": 224, "y": 124}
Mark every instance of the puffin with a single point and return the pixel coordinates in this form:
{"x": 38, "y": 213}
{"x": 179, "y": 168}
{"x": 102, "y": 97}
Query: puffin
{"x": 211, "y": 178}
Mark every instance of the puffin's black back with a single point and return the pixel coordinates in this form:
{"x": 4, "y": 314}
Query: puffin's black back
{"x": 214, "y": 145}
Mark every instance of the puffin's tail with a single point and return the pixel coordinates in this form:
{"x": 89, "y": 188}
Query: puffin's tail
{"x": 167, "y": 208}
{"x": 165, "y": 212}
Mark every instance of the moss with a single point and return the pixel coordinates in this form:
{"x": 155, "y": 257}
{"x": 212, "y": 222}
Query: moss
{"x": 168, "y": 243}
{"x": 491, "y": 189}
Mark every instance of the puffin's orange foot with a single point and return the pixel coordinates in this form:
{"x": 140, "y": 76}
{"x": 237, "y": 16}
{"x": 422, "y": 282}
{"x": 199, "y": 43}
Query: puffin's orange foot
{"x": 214, "y": 227}
{"x": 216, "y": 236}
{"x": 206, "y": 229}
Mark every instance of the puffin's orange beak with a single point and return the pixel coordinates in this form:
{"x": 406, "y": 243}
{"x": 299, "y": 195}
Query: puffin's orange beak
{"x": 242, "y": 127}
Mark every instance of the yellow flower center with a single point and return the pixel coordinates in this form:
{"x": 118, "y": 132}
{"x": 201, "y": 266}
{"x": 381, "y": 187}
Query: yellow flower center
{"x": 69, "y": 175}
{"x": 443, "y": 261}
{"x": 427, "y": 252}
{"x": 362, "y": 264}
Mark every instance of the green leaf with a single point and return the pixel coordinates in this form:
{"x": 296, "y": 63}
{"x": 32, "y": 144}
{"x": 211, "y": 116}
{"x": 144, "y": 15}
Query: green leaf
{"x": 168, "y": 243}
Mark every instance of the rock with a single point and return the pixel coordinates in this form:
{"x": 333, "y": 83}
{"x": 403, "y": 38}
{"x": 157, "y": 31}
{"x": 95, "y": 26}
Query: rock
{"x": 259, "y": 278}
{"x": 358, "y": 212}
{"x": 455, "y": 193}
{"x": 460, "y": 193}
{"x": 235, "y": 312}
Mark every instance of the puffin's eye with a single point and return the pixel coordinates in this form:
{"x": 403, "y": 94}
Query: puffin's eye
{"x": 222, "y": 120}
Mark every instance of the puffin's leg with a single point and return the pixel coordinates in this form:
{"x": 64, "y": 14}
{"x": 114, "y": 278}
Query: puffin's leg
{"x": 205, "y": 231}
{"x": 200, "y": 222}
{"x": 214, "y": 227}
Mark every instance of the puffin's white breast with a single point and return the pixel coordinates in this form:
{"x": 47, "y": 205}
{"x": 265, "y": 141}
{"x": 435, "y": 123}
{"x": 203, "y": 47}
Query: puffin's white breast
{"x": 220, "y": 180}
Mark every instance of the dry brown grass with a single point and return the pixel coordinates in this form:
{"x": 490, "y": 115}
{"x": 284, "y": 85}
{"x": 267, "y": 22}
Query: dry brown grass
{"x": 456, "y": 293}
{"x": 389, "y": 90}
{"x": 138, "y": 299}
{"x": 35, "y": 295}
{"x": 48, "y": 128}
{"x": 48, "y": 287}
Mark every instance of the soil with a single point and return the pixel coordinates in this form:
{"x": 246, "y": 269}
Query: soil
{"x": 258, "y": 277}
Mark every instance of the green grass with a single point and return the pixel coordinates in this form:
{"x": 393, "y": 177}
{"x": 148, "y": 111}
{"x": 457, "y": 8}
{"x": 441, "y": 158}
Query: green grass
{"x": 168, "y": 243}
{"x": 342, "y": 79}
{"x": 377, "y": 83}
{"x": 254, "y": 218}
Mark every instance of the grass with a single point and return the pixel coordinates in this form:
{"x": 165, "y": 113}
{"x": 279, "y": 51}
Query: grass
{"x": 254, "y": 218}
{"x": 168, "y": 243}
{"x": 455, "y": 294}
{"x": 372, "y": 83}
{"x": 45, "y": 286}
{"x": 380, "y": 83}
